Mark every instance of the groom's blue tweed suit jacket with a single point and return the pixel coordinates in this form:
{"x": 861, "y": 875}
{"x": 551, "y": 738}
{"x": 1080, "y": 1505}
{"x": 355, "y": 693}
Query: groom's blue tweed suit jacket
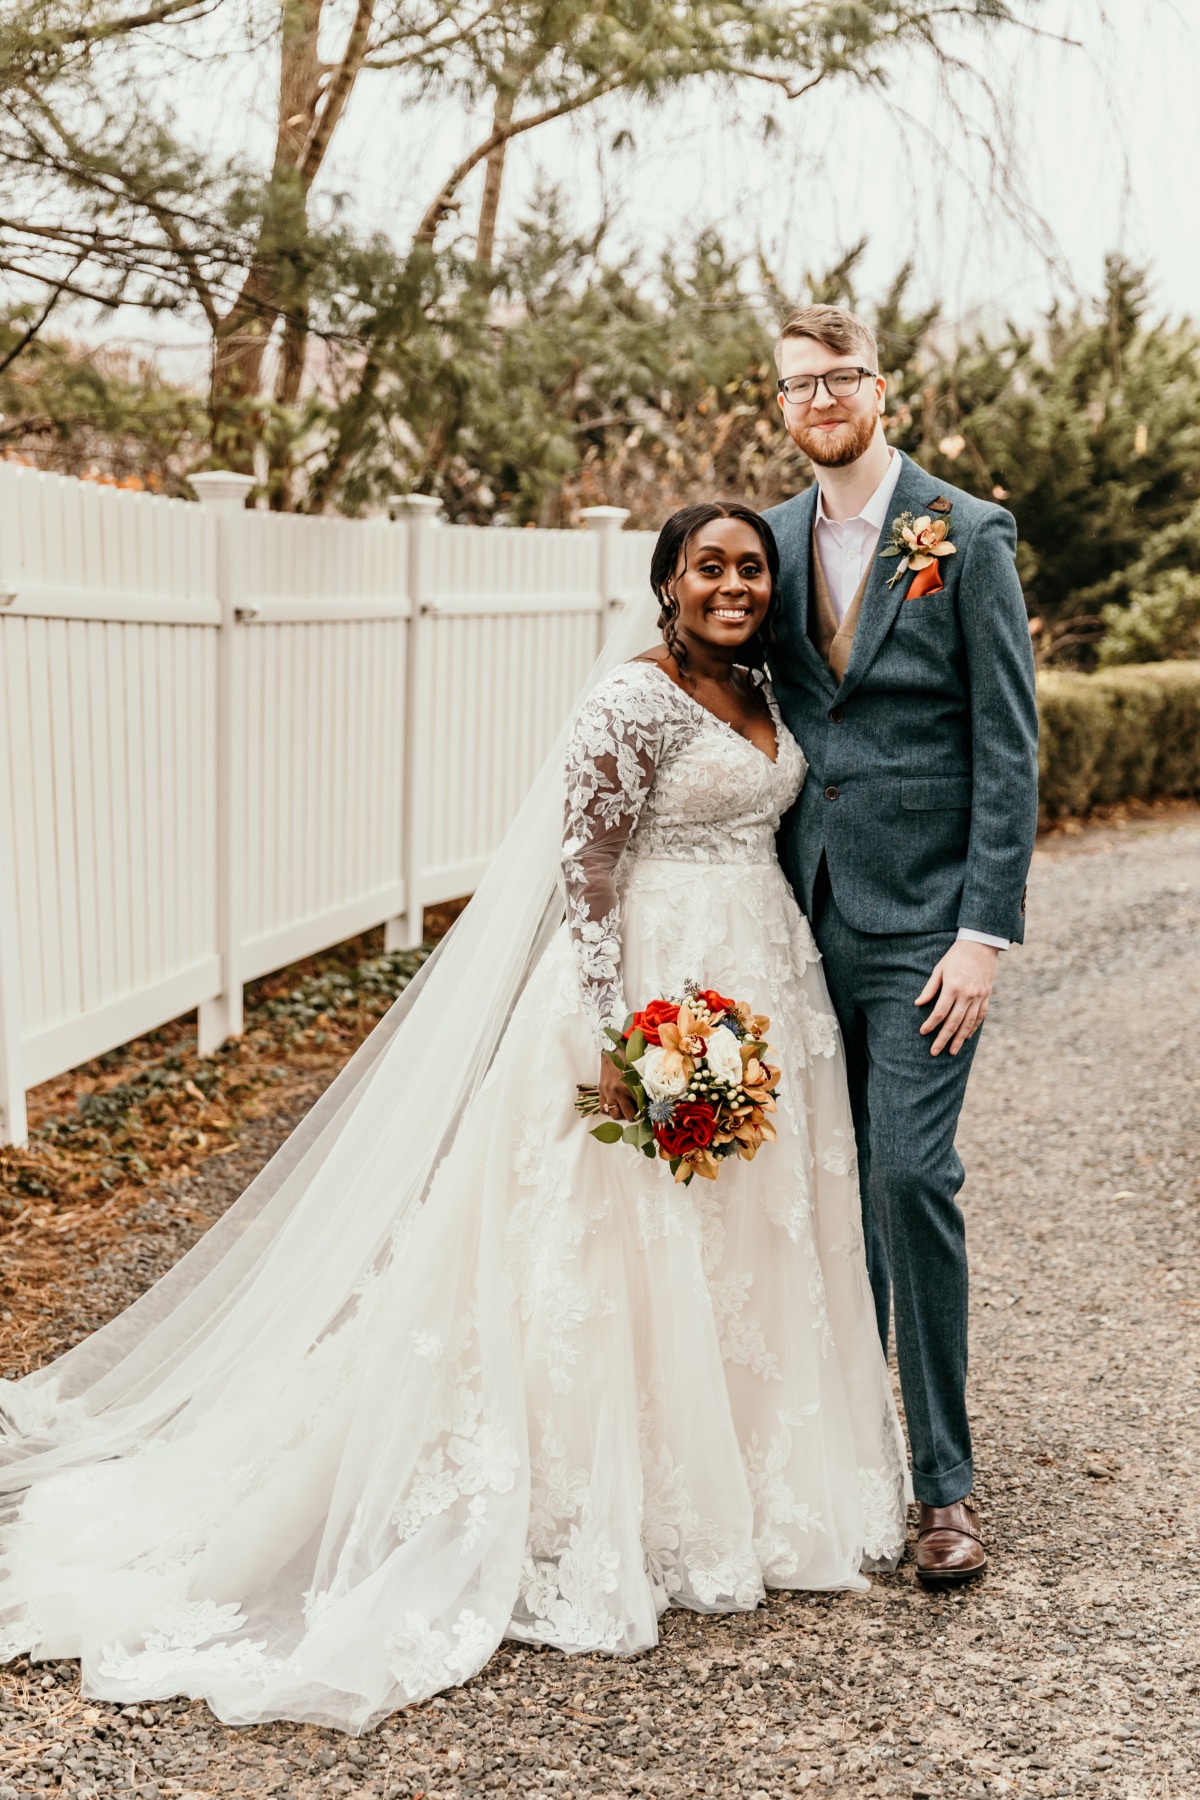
{"x": 922, "y": 785}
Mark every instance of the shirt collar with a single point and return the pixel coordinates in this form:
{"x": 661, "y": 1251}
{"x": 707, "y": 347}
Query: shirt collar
{"x": 874, "y": 513}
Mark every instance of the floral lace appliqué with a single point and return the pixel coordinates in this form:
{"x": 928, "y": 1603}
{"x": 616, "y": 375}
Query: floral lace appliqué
{"x": 652, "y": 775}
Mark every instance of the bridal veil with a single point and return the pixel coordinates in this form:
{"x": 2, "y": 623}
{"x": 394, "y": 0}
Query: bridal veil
{"x": 271, "y": 1278}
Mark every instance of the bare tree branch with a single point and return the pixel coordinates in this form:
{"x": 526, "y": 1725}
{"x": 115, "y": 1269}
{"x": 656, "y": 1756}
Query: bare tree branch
{"x": 376, "y": 59}
{"x": 502, "y": 134}
{"x": 338, "y": 92}
{"x": 793, "y": 90}
{"x": 73, "y": 288}
{"x": 32, "y": 330}
{"x": 183, "y": 11}
{"x": 189, "y": 261}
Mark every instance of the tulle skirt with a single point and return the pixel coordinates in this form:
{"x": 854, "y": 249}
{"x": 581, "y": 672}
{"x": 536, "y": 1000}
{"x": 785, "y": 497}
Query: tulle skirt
{"x": 570, "y": 1393}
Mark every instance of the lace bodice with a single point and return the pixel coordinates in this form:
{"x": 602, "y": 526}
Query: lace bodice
{"x": 652, "y": 773}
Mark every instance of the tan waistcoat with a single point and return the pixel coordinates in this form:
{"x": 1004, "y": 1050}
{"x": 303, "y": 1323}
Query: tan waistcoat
{"x": 834, "y": 641}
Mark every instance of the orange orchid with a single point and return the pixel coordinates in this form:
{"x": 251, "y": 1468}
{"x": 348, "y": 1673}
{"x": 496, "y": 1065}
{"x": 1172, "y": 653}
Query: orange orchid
{"x": 926, "y": 538}
{"x": 686, "y": 1036}
{"x": 918, "y": 542}
{"x": 697, "y": 1162}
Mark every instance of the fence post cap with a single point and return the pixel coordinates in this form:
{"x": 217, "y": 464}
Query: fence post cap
{"x": 413, "y": 506}
{"x": 604, "y": 515}
{"x": 220, "y": 487}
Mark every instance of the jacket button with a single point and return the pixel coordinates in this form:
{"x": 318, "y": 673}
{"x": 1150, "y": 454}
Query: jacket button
{"x": 831, "y": 793}
{"x": 838, "y": 714}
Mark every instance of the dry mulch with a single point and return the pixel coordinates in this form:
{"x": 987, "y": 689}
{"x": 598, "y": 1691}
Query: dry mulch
{"x": 131, "y": 1146}
{"x": 1073, "y": 1668}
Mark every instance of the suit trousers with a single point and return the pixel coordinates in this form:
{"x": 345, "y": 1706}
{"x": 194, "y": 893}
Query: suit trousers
{"x": 906, "y": 1104}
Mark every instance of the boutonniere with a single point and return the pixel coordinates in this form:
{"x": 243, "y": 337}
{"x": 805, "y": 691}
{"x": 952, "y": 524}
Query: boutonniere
{"x": 919, "y": 543}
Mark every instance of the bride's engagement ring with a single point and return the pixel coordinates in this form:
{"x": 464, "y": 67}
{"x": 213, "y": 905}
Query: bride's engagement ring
{"x": 700, "y": 1073}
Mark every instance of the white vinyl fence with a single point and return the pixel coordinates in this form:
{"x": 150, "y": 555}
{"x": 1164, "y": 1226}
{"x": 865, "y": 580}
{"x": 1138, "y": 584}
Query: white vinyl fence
{"x": 229, "y": 739}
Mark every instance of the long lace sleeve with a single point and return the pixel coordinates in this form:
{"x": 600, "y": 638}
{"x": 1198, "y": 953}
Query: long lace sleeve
{"x": 611, "y": 760}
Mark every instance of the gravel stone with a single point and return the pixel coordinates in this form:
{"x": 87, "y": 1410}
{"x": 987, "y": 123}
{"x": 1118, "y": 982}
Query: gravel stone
{"x": 1071, "y": 1669}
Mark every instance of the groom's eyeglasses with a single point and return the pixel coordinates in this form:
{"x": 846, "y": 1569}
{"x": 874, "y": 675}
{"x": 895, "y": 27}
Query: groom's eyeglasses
{"x": 839, "y": 383}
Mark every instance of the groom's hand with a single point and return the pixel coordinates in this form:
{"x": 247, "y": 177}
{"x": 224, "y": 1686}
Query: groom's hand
{"x": 962, "y": 982}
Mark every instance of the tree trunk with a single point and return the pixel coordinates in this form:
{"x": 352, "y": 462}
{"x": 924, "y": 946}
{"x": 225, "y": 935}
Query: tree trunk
{"x": 275, "y": 279}
{"x": 238, "y": 349}
{"x": 292, "y": 355}
{"x": 349, "y": 437}
{"x": 485, "y": 239}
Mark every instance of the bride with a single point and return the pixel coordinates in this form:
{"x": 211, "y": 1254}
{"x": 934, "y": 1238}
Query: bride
{"x": 451, "y": 1370}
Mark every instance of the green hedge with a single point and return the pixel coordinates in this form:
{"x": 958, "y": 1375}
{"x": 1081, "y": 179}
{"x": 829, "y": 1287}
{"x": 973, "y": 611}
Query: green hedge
{"x": 1130, "y": 733}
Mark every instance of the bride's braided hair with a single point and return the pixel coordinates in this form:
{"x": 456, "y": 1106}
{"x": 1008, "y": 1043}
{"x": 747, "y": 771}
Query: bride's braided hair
{"x": 672, "y": 543}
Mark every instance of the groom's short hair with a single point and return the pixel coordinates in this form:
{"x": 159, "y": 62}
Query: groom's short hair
{"x": 840, "y": 331}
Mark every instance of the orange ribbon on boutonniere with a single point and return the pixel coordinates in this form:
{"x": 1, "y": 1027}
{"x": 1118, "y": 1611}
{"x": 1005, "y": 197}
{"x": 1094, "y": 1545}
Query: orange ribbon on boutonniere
{"x": 919, "y": 543}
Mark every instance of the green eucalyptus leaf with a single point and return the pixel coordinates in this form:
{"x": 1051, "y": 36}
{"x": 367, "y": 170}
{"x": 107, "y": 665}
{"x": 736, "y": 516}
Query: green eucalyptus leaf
{"x": 608, "y": 1133}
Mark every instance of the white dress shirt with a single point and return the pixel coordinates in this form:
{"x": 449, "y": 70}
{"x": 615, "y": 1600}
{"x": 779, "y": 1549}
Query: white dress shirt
{"x": 846, "y": 547}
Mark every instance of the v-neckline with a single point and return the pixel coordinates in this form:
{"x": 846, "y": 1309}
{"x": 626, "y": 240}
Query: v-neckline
{"x": 645, "y": 663}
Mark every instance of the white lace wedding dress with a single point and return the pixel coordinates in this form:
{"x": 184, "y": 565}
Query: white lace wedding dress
{"x": 568, "y": 1392}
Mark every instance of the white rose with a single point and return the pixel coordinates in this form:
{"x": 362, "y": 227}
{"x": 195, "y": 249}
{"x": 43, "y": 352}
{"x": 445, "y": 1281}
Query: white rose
{"x": 724, "y": 1057}
{"x": 659, "y": 1081}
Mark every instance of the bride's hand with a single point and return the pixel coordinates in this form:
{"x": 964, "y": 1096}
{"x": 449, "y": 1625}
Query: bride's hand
{"x": 616, "y": 1101}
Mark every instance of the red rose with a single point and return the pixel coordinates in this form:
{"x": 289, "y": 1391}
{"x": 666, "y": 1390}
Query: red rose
{"x": 716, "y": 1003}
{"x": 659, "y": 1012}
{"x": 692, "y": 1127}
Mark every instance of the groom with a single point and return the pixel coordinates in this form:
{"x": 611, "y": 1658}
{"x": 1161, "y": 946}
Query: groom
{"x": 910, "y": 687}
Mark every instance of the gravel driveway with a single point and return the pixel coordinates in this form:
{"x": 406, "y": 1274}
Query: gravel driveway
{"x": 1073, "y": 1667}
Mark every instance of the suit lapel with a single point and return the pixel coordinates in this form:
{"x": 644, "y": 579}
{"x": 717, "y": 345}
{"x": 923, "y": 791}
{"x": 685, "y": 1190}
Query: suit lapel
{"x": 881, "y": 603}
{"x": 797, "y": 596}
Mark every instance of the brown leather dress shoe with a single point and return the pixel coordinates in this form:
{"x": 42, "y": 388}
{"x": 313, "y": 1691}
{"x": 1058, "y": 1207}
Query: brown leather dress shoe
{"x": 949, "y": 1547}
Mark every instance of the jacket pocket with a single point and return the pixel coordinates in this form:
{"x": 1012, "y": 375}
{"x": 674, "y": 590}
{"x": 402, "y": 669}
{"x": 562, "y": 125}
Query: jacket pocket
{"x": 936, "y": 793}
{"x": 936, "y": 605}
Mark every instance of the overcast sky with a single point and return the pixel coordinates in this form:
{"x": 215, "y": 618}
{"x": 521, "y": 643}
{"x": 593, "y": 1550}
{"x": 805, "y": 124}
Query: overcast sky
{"x": 1105, "y": 151}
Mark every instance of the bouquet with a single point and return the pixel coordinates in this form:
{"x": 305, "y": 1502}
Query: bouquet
{"x": 700, "y": 1072}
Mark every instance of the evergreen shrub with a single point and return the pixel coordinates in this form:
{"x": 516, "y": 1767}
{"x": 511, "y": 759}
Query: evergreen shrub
{"x": 1129, "y": 733}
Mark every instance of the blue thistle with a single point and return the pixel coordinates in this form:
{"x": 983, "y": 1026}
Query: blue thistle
{"x": 734, "y": 1025}
{"x": 661, "y": 1112}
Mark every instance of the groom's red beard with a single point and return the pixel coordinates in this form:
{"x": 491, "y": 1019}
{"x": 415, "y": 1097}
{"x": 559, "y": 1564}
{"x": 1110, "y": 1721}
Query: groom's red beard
{"x": 833, "y": 450}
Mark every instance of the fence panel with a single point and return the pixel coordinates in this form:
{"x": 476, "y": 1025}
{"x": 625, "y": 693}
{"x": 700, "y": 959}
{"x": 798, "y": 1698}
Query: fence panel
{"x": 322, "y": 672}
{"x": 230, "y": 739}
{"x": 108, "y": 697}
{"x": 511, "y": 626}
